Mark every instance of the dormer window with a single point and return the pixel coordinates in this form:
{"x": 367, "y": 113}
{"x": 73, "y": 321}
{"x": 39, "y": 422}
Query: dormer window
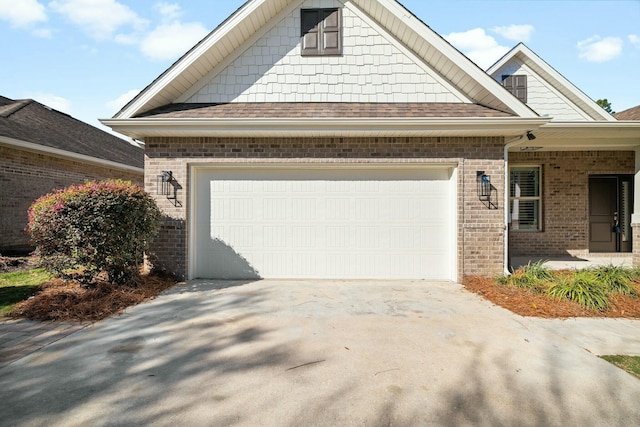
{"x": 517, "y": 85}
{"x": 321, "y": 32}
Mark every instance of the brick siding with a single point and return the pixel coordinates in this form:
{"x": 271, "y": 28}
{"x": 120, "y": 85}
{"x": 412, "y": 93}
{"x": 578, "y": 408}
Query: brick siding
{"x": 480, "y": 230}
{"x": 25, "y": 176}
{"x": 565, "y": 197}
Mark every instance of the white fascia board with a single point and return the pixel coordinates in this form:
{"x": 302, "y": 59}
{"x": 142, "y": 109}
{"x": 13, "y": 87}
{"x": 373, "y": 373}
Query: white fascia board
{"x": 615, "y": 129}
{"x": 140, "y": 128}
{"x": 457, "y": 58}
{"x": 69, "y": 155}
{"x": 186, "y": 61}
{"x": 551, "y": 75}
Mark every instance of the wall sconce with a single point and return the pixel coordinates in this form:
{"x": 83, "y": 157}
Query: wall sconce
{"x": 530, "y": 136}
{"x": 168, "y": 186}
{"x": 485, "y": 190}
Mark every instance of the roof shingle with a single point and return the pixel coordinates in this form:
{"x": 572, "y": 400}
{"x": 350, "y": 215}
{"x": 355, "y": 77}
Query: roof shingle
{"x": 630, "y": 114}
{"x": 30, "y": 121}
{"x": 275, "y": 110}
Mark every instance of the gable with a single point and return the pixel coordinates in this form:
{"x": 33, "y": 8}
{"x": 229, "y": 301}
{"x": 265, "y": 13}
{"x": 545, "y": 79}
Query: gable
{"x": 549, "y": 93}
{"x": 541, "y": 96}
{"x": 372, "y": 68}
{"x": 430, "y": 69}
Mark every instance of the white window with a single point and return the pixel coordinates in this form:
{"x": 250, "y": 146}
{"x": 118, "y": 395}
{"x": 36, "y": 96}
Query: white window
{"x": 526, "y": 198}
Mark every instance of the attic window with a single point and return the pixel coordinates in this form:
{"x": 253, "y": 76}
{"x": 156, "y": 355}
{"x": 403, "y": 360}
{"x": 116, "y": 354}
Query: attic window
{"x": 321, "y": 32}
{"x": 517, "y": 85}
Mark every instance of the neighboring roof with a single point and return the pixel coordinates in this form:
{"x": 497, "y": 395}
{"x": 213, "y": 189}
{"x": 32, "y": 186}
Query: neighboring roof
{"x": 319, "y": 109}
{"x": 630, "y": 114}
{"x": 554, "y": 78}
{"x": 32, "y": 125}
{"x": 255, "y": 17}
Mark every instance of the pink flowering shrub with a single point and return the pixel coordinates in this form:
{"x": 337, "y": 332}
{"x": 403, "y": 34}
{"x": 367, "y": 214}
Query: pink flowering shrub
{"x": 84, "y": 230}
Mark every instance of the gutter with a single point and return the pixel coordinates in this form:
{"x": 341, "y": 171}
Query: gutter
{"x": 138, "y": 128}
{"x": 56, "y": 152}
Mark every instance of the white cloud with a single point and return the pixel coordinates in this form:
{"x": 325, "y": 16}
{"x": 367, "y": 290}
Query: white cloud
{"x": 53, "y": 101}
{"x": 169, "y": 11}
{"x": 116, "y": 104}
{"x": 170, "y": 40}
{"x": 44, "y": 33}
{"x": 519, "y": 33}
{"x": 634, "y": 39}
{"x": 597, "y": 49}
{"x": 480, "y": 47}
{"x": 22, "y": 13}
{"x": 99, "y": 18}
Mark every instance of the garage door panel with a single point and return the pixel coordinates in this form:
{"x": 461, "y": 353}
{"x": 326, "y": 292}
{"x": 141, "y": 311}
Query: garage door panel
{"x": 294, "y": 223}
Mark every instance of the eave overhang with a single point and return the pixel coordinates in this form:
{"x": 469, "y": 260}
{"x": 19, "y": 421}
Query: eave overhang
{"x": 68, "y": 155}
{"x": 141, "y": 128}
{"x": 575, "y": 136}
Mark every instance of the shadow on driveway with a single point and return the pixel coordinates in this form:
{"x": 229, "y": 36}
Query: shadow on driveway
{"x": 316, "y": 353}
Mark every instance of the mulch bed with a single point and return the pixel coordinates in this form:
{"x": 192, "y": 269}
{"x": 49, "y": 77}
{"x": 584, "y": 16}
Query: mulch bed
{"x": 526, "y": 303}
{"x": 71, "y": 301}
{"x": 13, "y": 264}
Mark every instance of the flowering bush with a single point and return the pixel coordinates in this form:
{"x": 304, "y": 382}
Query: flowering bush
{"x": 84, "y": 230}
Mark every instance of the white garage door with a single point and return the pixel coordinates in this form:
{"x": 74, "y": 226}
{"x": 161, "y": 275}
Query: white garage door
{"x": 364, "y": 223}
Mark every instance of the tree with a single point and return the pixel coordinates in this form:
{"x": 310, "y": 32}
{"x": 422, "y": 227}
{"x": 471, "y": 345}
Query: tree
{"x": 606, "y": 105}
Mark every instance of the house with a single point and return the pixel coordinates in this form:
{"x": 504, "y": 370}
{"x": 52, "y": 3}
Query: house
{"x": 572, "y": 188}
{"x": 346, "y": 139}
{"x": 42, "y": 149}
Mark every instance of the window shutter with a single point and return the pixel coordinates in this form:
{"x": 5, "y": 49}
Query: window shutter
{"x": 311, "y": 31}
{"x": 331, "y": 23}
{"x": 321, "y": 32}
{"x": 517, "y": 85}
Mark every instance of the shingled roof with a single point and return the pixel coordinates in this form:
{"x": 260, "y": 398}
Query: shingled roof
{"x": 630, "y": 114}
{"x": 268, "y": 110}
{"x": 32, "y": 122}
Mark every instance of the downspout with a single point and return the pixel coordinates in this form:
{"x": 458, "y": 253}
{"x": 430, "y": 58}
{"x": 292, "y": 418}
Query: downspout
{"x": 511, "y": 143}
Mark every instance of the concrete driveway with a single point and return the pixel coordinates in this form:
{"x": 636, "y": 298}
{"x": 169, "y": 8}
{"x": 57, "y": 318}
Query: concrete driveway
{"x": 285, "y": 353}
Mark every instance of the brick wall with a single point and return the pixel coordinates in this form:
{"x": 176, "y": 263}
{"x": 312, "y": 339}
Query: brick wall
{"x": 480, "y": 230}
{"x": 565, "y": 195}
{"x": 25, "y": 176}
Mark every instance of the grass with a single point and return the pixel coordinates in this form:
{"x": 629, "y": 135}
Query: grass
{"x": 18, "y": 286}
{"x": 631, "y": 364}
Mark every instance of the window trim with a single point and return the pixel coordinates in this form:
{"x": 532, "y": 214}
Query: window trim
{"x": 320, "y": 51}
{"x": 539, "y": 198}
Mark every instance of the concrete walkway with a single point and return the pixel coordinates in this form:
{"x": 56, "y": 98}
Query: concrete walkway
{"x": 324, "y": 354}
{"x": 21, "y": 337}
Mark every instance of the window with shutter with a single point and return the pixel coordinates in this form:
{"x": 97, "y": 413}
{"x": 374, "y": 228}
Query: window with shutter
{"x": 517, "y": 85}
{"x": 321, "y": 32}
{"x": 525, "y": 196}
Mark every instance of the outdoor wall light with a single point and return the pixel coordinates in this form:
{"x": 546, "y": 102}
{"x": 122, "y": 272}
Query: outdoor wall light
{"x": 168, "y": 186}
{"x": 485, "y": 189}
{"x": 530, "y": 136}
{"x": 164, "y": 183}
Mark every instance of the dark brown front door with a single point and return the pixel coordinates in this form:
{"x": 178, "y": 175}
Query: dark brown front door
{"x": 610, "y": 213}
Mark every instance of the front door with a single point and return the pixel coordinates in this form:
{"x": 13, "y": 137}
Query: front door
{"x": 610, "y": 213}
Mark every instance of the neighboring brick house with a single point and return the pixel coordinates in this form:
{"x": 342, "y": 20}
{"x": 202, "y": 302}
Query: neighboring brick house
{"x": 333, "y": 139}
{"x": 43, "y": 149}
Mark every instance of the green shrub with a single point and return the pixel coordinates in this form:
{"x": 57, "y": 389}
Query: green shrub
{"x": 84, "y": 230}
{"x": 534, "y": 277}
{"x": 582, "y": 287}
{"x": 616, "y": 279}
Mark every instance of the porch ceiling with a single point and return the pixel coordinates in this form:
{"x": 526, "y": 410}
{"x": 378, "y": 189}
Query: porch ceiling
{"x": 574, "y": 136}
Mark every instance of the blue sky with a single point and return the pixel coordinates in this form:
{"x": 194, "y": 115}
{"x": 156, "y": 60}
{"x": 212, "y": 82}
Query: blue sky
{"x": 89, "y": 57}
